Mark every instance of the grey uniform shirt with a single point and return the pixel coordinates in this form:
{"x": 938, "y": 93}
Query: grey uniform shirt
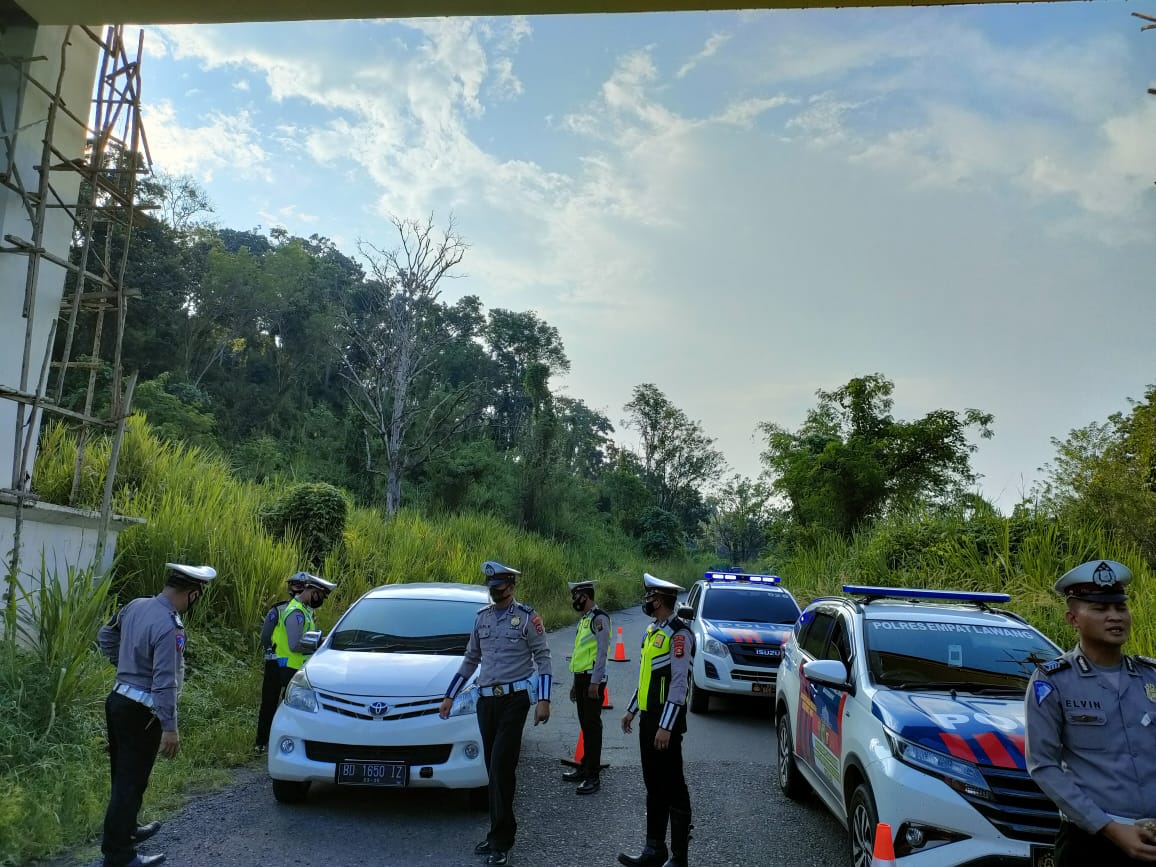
{"x": 1090, "y": 744}
{"x": 145, "y": 640}
{"x": 508, "y": 644}
{"x": 269, "y": 625}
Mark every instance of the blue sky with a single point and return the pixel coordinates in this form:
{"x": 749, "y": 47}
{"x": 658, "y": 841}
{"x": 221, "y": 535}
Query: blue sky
{"x": 739, "y": 207}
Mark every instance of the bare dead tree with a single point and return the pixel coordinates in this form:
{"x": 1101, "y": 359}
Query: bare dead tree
{"x": 394, "y": 337}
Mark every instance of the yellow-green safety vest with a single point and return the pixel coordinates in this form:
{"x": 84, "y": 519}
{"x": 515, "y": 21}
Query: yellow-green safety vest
{"x": 654, "y": 671}
{"x": 585, "y": 642}
{"x": 281, "y": 638}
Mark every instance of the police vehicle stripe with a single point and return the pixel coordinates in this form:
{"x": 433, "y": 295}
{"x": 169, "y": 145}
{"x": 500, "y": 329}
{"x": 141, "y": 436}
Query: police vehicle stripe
{"x": 990, "y": 743}
{"x": 958, "y": 747}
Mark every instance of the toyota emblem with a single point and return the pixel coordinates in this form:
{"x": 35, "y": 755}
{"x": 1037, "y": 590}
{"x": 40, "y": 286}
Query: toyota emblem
{"x": 378, "y": 708}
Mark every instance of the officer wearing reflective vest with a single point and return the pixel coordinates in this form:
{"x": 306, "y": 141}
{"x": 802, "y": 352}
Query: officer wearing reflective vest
{"x": 508, "y": 644}
{"x": 664, "y": 669}
{"x": 273, "y": 679}
{"x": 297, "y": 619}
{"x": 1091, "y": 727}
{"x": 145, "y": 640}
{"x": 588, "y": 665}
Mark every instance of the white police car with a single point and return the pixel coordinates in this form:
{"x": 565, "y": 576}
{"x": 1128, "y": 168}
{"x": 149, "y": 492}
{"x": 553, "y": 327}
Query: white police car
{"x": 363, "y": 711}
{"x": 741, "y": 622}
{"x": 907, "y": 707}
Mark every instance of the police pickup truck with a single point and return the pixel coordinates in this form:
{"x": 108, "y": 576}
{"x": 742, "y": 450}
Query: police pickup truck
{"x": 907, "y": 707}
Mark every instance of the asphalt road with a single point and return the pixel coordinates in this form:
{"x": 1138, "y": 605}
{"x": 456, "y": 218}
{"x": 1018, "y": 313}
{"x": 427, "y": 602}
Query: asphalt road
{"x": 740, "y": 818}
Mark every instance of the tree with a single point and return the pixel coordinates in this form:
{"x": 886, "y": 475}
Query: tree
{"x": 515, "y": 341}
{"x": 393, "y": 336}
{"x": 677, "y": 456}
{"x": 851, "y": 460}
{"x": 737, "y": 527}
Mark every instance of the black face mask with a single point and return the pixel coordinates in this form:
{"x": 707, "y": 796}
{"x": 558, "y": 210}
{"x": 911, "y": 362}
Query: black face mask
{"x": 578, "y": 603}
{"x": 499, "y": 594}
{"x": 318, "y": 600}
{"x": 648, "y": 607}
{"x": 193, "y": 598}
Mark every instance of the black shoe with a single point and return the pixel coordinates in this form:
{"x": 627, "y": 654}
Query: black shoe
{"x": 483, "y": 848}
{"x": 575, "y": 776}
{"x": 589, "y": 787}
{"x": 497, "y": 857}
{"x": 146, "y": 860}
{"x": 144, "y": 832}
{"x": 652, "y": 855}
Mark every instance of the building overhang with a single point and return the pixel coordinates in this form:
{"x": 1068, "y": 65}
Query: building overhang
{"x": 226, "y": 11}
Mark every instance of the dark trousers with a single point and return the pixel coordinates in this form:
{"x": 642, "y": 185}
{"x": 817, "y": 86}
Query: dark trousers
{"x": 662, "y": 773}
{"x": 1075, "y": 847}
{"x": 134, "y": 736}
{"x": 590, "y": 721}
{"x": 501, "y": 720}
{"x": 273, "y": 684}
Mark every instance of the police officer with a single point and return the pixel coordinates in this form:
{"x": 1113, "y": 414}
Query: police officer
{"x": 588, "y": 665}
{"x": 1091, "y": 726}
{"x": 145, "y": 640}
{"x": 667, "y": 652}
{"x": 273, "y": 681}
{"x": 296, "y": 619}
{"x": 509, "y": 644}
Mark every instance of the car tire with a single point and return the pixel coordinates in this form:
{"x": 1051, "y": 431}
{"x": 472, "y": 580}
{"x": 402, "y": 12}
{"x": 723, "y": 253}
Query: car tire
{"x": 699, "y": 699}
{"x": 791, "y": 782}
{"x": 478, "y": 798}
{"x": 290, "y": 791}
{"x": 862, "y": 819}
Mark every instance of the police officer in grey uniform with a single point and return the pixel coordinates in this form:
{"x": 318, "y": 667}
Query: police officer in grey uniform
{"x": 509, "y": 644}
{"x": 145, "y": 640}
{"x": 1091, "y": 727}
{"x": 273, "y": 680}
{"x": 588, "y": 665}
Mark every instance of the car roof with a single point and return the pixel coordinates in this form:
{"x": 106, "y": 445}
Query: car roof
{"x": 745, "y": 585}
{"x": 432, "y": 590}
{"x": 943, "y": 612}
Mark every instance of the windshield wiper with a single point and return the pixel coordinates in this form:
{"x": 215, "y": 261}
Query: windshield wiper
{"x": 961, "y": 686}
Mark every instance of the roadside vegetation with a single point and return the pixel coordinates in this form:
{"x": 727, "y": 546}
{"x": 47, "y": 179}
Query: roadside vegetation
{"x": 300, "y": 412}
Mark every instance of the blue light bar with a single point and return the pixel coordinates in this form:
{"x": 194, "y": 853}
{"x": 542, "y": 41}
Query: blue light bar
{"x": 742, "y": 576}
{"x": 909, "y": 593}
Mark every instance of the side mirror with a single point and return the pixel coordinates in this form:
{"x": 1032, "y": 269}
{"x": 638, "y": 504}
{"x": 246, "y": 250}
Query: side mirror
{"x": 310, "y": 640}
{"x": 828, "y": 672}
{"x": 685, "y": 612}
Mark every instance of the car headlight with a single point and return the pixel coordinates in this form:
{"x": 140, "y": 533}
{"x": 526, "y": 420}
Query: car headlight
{"x": 716, "y": 648}
{"x": 962, "y": 776}
{"x": 466, "y": 702}
{"x": 299, "y": 693}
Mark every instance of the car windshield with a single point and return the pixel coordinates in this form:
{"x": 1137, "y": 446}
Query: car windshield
{"x": 918, "y": 654}
{"x": 749, "y": 606}
{"x": 436, "y": 626}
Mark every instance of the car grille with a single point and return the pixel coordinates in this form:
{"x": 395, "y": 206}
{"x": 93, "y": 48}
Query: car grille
{"x": 429, "y": 754}
{"x": 1020, "y": 810}
{"x": 754, "y": 676}
{"x": 358, "y": 708}
{"x": 746, "y": 654}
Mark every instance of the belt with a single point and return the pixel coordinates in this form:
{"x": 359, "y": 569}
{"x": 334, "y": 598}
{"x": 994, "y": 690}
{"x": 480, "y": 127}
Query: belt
{"x": 500, "y": 689}
{"x": 135, "y": 693}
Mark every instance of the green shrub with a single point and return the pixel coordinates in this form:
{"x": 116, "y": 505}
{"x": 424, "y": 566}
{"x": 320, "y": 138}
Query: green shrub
{"x": 314, "y": 514}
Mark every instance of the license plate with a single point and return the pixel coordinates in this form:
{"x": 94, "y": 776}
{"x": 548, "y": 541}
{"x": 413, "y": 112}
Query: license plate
{"x": 355, "y": 773}
{"x": 1043, "y": 856}
{"x": 762, "y": 687}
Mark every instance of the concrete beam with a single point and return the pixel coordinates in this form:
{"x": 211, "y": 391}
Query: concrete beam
{"x": 219, "y": 11}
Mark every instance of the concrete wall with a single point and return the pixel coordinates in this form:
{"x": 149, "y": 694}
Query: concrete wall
{"x": 69, "y": 137}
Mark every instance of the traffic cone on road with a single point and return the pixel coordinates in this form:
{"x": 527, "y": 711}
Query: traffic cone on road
{"x": 579, "y": 752}
{"x": 620, "y": 649}
{"x": 884, "y": 851}
{"x": 606, "y": 705}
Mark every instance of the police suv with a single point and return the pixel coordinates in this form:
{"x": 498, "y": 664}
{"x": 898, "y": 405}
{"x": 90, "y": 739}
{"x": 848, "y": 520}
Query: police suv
{"x": 907, "y": 707}
{"x": 740, "y": 624}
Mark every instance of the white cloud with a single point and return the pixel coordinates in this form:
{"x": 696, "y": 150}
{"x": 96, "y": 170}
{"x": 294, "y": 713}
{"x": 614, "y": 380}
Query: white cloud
{"x": 709, "y": 49}
{"x": 223, "y": 142}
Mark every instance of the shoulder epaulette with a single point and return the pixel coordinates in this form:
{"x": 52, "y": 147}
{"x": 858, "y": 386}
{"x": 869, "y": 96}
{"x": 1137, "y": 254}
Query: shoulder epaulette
{"x": 1146, "y": 660}
{"x": 677, "y": 624}
{"x": 1058, "y": 664}
{"x": 527, "y": 608}
{"x": 177, "y": 621}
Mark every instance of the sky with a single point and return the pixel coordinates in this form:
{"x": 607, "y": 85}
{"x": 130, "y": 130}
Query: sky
{"x": 741, "y": 208}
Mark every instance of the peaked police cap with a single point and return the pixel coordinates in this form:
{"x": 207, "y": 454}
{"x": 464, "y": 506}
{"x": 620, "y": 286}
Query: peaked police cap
{"x": 1095, "y": 581}
{"x": 496, "y": 573}
{"x": 657, "y": 585}
{"x": 199, "y": 574}
{"x": 579, "y": 586}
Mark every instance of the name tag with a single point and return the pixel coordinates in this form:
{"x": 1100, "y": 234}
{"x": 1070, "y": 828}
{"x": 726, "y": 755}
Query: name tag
{"x": 1086, "y": 717}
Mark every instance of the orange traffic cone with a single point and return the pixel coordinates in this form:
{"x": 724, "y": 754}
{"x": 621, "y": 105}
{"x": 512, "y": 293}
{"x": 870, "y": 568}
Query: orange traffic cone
{"x": 884, "y": 852}
{"x": 606, "y": 705}
{"x": 620, "y": 649}
{"x": 579, "y": 751}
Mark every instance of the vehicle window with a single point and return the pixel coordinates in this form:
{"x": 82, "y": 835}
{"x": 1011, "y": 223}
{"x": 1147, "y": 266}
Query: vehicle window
{"x": 814, "y": 635}
{"x": 749, "y": 606}
{"x": 695, "y": 596}
{"x": 839, "y": 643}
{"x": 435, "y": 626}
{"x": 911, "y": 654}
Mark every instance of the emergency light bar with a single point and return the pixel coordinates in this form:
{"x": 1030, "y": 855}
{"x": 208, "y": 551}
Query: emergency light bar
{"x": 938, "y": 595}
{"x": 742, "y": 576}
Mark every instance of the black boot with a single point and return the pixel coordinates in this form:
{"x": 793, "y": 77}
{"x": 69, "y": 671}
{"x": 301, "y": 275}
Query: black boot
{"x": 653, "y": 855}
{"x": 679, "y": 838}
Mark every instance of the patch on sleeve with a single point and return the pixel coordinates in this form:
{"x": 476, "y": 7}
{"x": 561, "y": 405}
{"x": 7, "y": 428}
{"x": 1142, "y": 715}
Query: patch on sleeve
{"x": 679, "y": 645}
{"x": 537, "y": 621}
{"x": 598, "y": 625}
{"x": 180, "y": 642}
{"x": 300, "y": 617}
{"x": 1042, "y": 689}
